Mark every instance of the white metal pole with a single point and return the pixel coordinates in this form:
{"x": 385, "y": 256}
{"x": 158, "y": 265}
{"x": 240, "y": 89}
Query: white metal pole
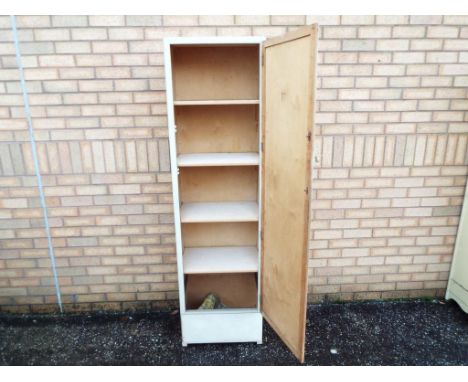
{"x": 27, "y": 113}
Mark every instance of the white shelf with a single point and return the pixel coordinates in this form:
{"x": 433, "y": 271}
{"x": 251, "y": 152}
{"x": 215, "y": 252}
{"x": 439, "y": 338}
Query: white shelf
{"x": 219, "y": 212}
{"x": 218, "y": 102}
{"x": 220, "y": 260}
{"x": 218, "y": 159}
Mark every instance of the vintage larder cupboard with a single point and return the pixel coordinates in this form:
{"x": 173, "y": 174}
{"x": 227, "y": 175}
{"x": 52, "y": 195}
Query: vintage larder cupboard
{"x": 240, "y": 115}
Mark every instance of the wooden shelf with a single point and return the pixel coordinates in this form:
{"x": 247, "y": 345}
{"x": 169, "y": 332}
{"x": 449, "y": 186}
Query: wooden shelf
{"x": 220, "y": 260}
{"x": 218, "y": 102}
{"x": 219, "y": 212}
{"x": 218, "y": 159}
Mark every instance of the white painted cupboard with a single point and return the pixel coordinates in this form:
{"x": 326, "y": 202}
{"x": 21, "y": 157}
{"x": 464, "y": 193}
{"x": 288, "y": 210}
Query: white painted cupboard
{"x": 240, "y": 116}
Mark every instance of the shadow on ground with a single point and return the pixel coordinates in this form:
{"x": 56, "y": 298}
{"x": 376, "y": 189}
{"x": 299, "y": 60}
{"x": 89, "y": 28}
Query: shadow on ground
{"x": 370, "y": 333}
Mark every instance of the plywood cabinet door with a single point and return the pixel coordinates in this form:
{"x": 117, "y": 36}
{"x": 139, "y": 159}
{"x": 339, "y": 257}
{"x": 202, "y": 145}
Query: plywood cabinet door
{"x": 289, "y": 64}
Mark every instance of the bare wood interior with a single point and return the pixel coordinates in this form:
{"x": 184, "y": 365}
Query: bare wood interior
{"x": 218, "y": 184}
{"x": 215, "y": 72}
{"x": 219, "y": 235}
{"x": 217, "y": 129}
{"x": 235, "y": 290}
{"x": 288, "y": 120}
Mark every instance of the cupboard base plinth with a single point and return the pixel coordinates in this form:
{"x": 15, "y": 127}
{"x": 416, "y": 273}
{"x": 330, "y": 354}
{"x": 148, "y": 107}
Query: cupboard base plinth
{"x": 458, "y": 293}
{"x": 213, "y": 327}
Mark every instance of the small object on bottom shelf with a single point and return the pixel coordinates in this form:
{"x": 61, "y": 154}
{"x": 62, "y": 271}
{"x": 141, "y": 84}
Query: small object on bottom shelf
{"x": 211, "y": 301}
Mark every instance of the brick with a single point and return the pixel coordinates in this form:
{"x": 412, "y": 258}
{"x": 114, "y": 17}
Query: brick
{"x": 268, "y": 32}
{"x": 392, "y": 45}
{"x": 456, "y": 44}
{"x": 93, "y": 60}
{"x": 389, "y": 70}
{"x": 374, "y": 32}
{"x": 76, "y": 73}
{"x": 392, "y": 19}
{"x": 180, "y": 20}
{"x": 125, "y": 189}
{"x": 125, "y": 34}
{"x": 457, "y": 20}
{"x": 112, "y": 72}
{"x": 357, "y": 20}
{"x": 442, "y": 32}
{"x": 33, "y": 21}
{"x": 110, "y": 46}
{"x": 14, "y": 203}
{"x": 104, "y": 21}
{"x": 233, "y": 31}
{"x": 90, "y": 34}
{"x": 359, "y": 45}
{"x": 425, "y": 19}
{"x": 426, "y": 44}
{"x": 446, "y": 211}
{"x": 408, "y": 57}
{"x": 323, "y": 19}
{"x": 144, "y": 20}
{"x": 339, "y": 32}
{"x": 36, "y": 48}
{"x": 76, "y": 200}
{"x": 82, "y": 241}
{"x": 409, "y": 31}
{"x": 252, "y": 20}
{"x": 454, "y": 69}
{"x": 288, "y": 20}
{"x": 95, "y": 85}
{"x": 342, "y": 57}
{"x": 216, "y": 20}
{"x": 51, "y": 34}
{"x": 56, "y": 60}
{"x": 69, "y": 21}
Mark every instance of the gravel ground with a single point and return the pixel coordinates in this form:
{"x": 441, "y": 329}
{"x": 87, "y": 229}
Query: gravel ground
{"x": 368, "y": 333}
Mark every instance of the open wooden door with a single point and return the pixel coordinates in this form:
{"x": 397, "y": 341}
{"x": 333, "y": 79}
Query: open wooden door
{"x": 288, "y": 109}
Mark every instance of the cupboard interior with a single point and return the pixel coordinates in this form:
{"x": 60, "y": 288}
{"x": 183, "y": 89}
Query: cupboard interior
{"x": 217, "y": 129}
{"x": 215, "y": 72}
{"x": 218, "y": 184}
{"x": 237, "y": 290}
{"x": 216, "y": 111}
{"x": 220, "y": 234}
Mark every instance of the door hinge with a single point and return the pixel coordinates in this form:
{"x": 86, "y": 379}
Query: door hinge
{"x": 306, "y": 190}
{"x": 261, "y": 147}
{"x": 309, "y": 136}
{"x": 261, "y": 235}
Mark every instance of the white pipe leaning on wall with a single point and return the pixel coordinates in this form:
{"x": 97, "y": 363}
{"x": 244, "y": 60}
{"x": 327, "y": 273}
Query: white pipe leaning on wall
{"x": 27, "y": 113}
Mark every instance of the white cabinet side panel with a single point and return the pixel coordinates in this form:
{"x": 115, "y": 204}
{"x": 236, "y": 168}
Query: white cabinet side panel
{"x": 174, "y": 172}
{"x": 260, "y": 171}
{"x": 457, "y": 288}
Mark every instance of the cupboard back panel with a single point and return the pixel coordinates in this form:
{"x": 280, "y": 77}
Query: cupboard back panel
{"x": 235, "y": 290}
{"x": 219, "y": 234}
{"x": 215, "y": 72}
{"x": 218, "y": 184}
{"x": 212, "y": 129}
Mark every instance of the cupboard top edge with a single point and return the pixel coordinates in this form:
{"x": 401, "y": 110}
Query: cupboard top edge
{"x": 213, "y": 40}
